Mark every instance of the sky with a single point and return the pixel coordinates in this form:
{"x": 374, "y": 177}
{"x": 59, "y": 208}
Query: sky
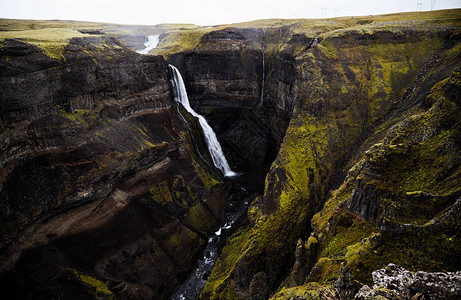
{"x": 205, "y": 12}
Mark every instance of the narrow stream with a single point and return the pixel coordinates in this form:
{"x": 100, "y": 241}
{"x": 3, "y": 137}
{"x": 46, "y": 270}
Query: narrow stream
{"x": 193, "y": 285}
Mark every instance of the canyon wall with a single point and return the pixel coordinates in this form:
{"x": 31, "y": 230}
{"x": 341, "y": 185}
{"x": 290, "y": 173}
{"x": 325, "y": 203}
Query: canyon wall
{"x": 103, "y": 189}
{"x": 351, "y": 92}
{"x": 345, "y": 131}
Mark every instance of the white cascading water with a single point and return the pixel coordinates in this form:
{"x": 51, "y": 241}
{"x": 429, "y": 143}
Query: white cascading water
{"x": 212, "y": 142}
{"x": 151, "y": 43}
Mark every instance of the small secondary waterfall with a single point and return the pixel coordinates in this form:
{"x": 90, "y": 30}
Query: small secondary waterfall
{"x": 151, "y": 43}
{"x": 217, "y": 155}
{"x": 264, "y": 66}
{"x": 315, "y": 42}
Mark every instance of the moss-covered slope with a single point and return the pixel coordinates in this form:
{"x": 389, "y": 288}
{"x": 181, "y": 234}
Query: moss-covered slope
{"x": 351, "y": 88}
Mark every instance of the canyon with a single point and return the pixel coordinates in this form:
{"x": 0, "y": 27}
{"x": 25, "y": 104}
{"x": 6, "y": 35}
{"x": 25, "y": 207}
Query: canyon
{"x": 344, "y": 136}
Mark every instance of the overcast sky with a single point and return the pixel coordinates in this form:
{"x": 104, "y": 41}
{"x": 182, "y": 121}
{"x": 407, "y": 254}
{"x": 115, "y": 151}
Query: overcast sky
{"x": 204, "y": 12}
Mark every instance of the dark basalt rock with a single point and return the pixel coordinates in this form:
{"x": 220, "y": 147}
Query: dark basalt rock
{"x": 300, "y": 39}
{"x": 223, "y": 78}
{"x": 365, "y": 202}
{"x": 86, "y": 142}
{"x": 259, "y": 287}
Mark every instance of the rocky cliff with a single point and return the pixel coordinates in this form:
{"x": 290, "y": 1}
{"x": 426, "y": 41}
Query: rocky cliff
{"x": 103, "y": 190}
{"x": 346, "y": 131}
{"x": 360, "y": 161}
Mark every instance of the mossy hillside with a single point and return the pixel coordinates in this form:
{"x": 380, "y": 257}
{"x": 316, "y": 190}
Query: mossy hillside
{"x": 267, "y": 245}
{"x": 309, "y": 291}
{"x": 52, "y": 41}
{"x": 179, "y": 41}
{"x": 420, "y": 162}
{"x": 379, "y": 73}
{"x": 218, "y": 284}
{"x": 331, "y": 88}
{"x": 337, "y": 228}
{"x": 342, "y": 93}
{"x": 416, "y": 250}
{"x": 365, "y": 248}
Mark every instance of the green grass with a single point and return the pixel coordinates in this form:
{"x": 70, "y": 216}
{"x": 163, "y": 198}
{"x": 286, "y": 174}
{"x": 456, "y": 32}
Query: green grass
{"x": 51, "y": 40}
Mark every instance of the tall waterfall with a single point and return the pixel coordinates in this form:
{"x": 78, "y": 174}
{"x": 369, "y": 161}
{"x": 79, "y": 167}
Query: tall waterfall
{"x": 214, "y": 147}
{"x": 151, "y": 43}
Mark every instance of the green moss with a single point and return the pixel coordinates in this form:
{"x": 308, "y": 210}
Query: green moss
{"x": 51, "y": 40}
{"x": 415, "y": 249}
{"x": 309, "y": 291}
{"x": 328, "y": 50}
{"x": 311, "y": 241}
{"x": 199, "y": 217}
{"x": 161, "y": 193}
{"x": 320, "y": 220}
{"x": 86, "y": 117}
{"x": 183, "y": 192}
{"x": 218, "y": 284}
{"x": 325, "y": 270}
{"x": 349, "y": 230}
{"x": 178, "y": 236}
{"x": 96, "y": 286}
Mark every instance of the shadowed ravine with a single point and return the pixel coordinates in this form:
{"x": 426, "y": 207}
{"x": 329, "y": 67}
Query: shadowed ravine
{"x": 308, "y": 159}
{"x": 191, "y": 288}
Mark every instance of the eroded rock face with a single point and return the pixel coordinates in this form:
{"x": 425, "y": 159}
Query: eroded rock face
{"x": 224, "y": 79}
{"x": 439, "y": 285}
{"x": 102, "y": 191}
{"x": 64, "y": 109}
{"x": 349, "y": 95}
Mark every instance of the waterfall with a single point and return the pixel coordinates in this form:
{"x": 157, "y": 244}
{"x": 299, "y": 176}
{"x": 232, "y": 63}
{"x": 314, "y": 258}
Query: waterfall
{"x": 315, "y": 42}
{"x": 264, "y": 75}
{"x": 151, "y": 43}
{"x": 217, "y": 155}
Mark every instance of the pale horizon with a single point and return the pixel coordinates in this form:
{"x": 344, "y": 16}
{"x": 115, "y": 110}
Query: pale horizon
{"x": 205, "y": 12}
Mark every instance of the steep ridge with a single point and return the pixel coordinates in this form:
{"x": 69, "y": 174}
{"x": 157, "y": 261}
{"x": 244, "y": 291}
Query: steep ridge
{"x": 349, "y": 87}
{"x": 102, "y": 190}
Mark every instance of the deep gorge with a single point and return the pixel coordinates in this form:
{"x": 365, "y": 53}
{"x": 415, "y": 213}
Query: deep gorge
{"x": 345, "y": 133}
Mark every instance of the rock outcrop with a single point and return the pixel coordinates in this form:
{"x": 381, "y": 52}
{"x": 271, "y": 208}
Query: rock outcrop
{"x": 378, "y": 85}
{"x": 102, "y": 190}
{"x": 224, "y": 78}
{"x": 393, "y": 281}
